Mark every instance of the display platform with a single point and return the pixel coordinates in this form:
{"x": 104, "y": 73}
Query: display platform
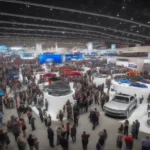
{"x": 140, "y": 114}
{"x": 56, "y": 103}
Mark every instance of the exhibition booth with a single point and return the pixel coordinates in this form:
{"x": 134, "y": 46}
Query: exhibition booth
{"x": 57, "y": 98}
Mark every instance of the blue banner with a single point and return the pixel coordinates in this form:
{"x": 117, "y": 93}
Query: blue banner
{"x": 69, "y": 57}
{"x": 50, "y": 58}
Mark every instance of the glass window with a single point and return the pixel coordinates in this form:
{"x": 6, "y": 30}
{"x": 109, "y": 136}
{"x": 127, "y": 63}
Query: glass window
{"x": 121, "y": 99}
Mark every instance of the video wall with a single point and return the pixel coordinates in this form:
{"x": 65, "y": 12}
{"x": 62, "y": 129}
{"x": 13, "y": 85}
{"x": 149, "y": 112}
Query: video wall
{"x": 50, "y": 58}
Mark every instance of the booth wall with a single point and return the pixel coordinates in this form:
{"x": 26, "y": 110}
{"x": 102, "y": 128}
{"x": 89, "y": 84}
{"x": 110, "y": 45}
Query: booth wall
{"x": 136, "y": 60}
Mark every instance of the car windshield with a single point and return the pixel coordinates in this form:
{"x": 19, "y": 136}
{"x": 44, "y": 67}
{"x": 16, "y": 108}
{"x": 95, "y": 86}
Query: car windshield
{"x": 121, "y": 99}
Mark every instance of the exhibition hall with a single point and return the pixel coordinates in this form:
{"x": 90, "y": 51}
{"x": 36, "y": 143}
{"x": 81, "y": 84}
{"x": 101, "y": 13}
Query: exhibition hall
{"x": 74, "y": 75}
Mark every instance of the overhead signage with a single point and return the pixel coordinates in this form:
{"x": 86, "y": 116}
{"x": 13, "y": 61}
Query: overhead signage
{"x": 26, "y": 54}
{"x": 70, "y": 57}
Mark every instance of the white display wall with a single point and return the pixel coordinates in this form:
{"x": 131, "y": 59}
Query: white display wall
{"x": 122, "y": 63}
{"x": 137, "y": 60}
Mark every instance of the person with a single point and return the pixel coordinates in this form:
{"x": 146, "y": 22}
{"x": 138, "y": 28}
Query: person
{"x": 137, "y": 126}
{"x": 41, "y": 115}
{"x": 2, "y": 138}
{"x": 119, "y": 139}
{"x": 15, "y": 129}
{"x": 1, "y": 118}
{"x": 49, "y": 120}
{"x": 7, "y": 141}
{"x": 21, "y": 144}
{"x": 129, "y": 142}
{"x": 133, "y": 129}
{"x": 121, "y": 128}
{"x": 58, "y": 134}
{"x": 85, "y": 140}
{"x": 29, "y": 114}
{"x": 98, "y": 146}
{"x": 50, "y": 133}
{"x": 68, "y": 130}
{"x": 24, "y": 127}
{"x": 64, "y": 143}
{"x": 36, "y": 144}
{"x": 45, "y": 118}
{"x": 46, "y": 104}
{"x": 105, "y": 135}
{"x": 32, "y": 123}
{"x": 102, "y": 140}
{"x": 31, "y": 141}
{"x": 97, "y": 116}
{"x": 141, "y": 99}
{"x": 126, "y": 127}
{"x": 61, "y": 115}
{"x": 94, "y": 119}
{"x": 73, "y": 133}
{"x": 145, "y": 143}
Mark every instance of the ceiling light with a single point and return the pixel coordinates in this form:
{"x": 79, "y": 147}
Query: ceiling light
{"x": 137, "y": 31}
{"x": 148, "y": 21}
{"x": 123, "y": 7}
{"x": 131, "y": 18}
{"x": 117, "y": 15}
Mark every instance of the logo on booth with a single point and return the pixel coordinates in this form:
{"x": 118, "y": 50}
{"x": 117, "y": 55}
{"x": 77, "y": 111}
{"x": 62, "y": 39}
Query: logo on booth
{"x": 49, "y": 60}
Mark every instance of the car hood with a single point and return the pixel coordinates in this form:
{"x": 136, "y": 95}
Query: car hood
{"x": 116, "y": 105}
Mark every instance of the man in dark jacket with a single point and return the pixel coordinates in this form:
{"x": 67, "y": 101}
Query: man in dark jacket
{"x": 73, "y": 133}
{"x": 2, "y": 139}
{"x": 137, "y": 126}
{"x": 32, "y": 123}
{"x": 50, "y": 133}
{"x": 85, "y": 140}
{"x": 64, "y": 143}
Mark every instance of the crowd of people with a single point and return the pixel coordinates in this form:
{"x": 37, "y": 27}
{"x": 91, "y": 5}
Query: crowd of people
{"x": 22, "y": 95}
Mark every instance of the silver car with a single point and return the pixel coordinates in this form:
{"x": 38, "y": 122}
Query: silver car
{"x": 121, "y": 105}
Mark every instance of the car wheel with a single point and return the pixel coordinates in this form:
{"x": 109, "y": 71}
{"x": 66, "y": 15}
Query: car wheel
{"x": 127, "y": 114}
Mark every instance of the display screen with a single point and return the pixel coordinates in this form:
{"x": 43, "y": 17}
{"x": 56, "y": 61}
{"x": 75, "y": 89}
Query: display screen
{"x": 73, "y": 56}
{"x": 3, "y": 47}
{"x": 91, "y": 56}
{"x": 26, "y": 54}
{"x": 50, "y": 58}
{"x": 132, "y": 65}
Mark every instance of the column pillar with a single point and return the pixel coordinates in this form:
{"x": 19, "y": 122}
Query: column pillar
{"x": 89, "y": 47}
{"x": 39, "y": 48}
